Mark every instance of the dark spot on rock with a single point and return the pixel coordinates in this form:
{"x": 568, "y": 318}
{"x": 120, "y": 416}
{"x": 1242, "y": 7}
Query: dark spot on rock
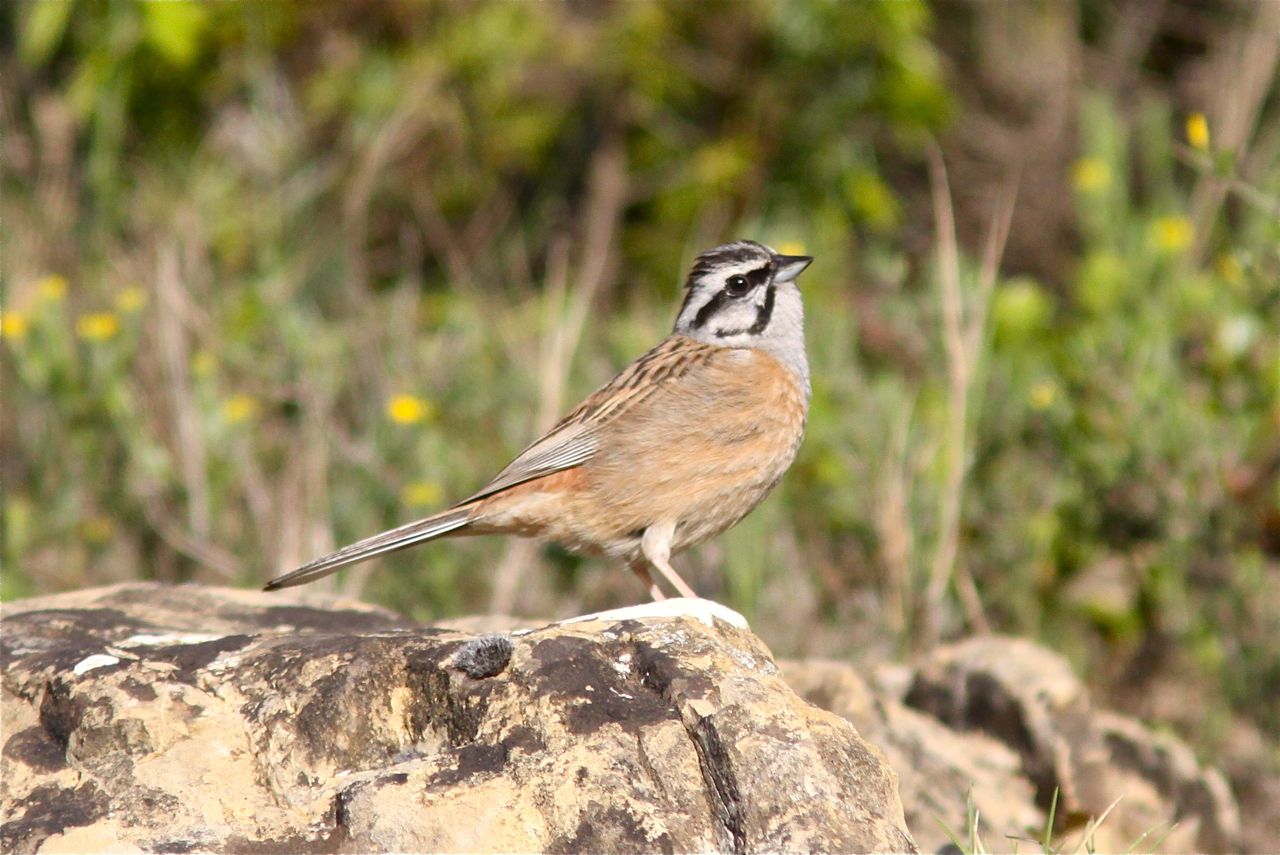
{"x": 50, "y": 810}
{"x": 342, "y": 807}
{"x": 334, "y": 721}
{"x": 36, "y": 748}
{"x": 60, "y": 714}
{"x": 397, "y": 778}
{"x": 525, "y": 739}
{"x": 157, "y": 801}
{"x": 658, "y": 669}
{"x": 138, "y": 690}
{"x": 438, "y": 704}
{"x": 611, "y": 829}
{"x": 582, "y": 676}
{"x": 342, "y": 814}
{"x": 190, "y": 658}
{"x": 484, "y": 657}
{"x": 581, "y": 776}
{"x": 327, "y": 620}
{"x": 483, "y": 759}
{"x": 472, "y": 760}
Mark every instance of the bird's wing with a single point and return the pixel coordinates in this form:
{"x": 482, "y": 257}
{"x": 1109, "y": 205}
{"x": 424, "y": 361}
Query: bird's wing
{"x": 573, "y": 440}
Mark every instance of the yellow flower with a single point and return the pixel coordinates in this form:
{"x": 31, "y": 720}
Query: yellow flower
{"x": 239, "y": 408}
{"x": 407, "y": 410}
{"x": 1198, "y": 131}
{"x": 53, "y": 287}
{"x": 1230, "y": 269}
{"x": 131, "y": 299}
{"x": 1043, "y": 394}
{"x": 96, "y": 529}
{"x": 421, "y": 493}
{"x": 202, "y": 363}
{"x": 1091, "y": 174}
{"x": 791, "y": 248}
{"x": 1171, "y": 234}
{"x": 13, "y": 326}
{"x": 97, "y": 326}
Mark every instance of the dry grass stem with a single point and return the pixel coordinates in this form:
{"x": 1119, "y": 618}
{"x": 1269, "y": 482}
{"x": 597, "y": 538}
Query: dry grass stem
{"x": 208, "y": 555}
{"x": 189, "y": 448}
{"x": 893, "y": 523}
{"x": 963, "y": 332}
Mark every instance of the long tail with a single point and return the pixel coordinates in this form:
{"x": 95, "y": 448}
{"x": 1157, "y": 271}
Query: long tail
{"x": 371, "y": 547}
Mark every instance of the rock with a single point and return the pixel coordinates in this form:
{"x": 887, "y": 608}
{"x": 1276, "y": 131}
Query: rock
{"x": 142, "y": 718}
{"x": 1251, "y": 761}
{"x": 939, "y": 769}
{"x": 1006, "y": 723}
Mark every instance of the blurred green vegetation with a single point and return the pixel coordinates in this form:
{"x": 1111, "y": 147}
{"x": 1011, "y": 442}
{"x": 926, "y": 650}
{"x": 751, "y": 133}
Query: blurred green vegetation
{"x": 280, "y": 275}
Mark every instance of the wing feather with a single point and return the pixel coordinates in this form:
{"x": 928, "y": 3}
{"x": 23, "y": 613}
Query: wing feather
{"x": 574, "y": 440}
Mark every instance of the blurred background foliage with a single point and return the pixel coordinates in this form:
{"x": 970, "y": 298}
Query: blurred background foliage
{"x": 280, "y": 275}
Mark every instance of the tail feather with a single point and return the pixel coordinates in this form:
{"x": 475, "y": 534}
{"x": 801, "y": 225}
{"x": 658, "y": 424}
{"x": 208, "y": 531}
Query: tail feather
{"x": 371, "y": 547}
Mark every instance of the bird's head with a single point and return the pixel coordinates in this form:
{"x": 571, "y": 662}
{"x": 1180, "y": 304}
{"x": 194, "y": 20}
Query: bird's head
{"x": 737, "y": 295}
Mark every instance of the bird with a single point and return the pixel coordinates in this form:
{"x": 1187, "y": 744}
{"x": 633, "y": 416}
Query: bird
{"x": 677, "y": 448}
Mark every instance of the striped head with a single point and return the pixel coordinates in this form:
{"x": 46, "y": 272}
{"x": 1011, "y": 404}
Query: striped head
{"x": 743, "y": 294}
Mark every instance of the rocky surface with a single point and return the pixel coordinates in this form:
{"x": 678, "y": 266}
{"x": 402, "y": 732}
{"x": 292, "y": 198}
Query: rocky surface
{"x": 1007, "y": 724}
{"x": 142, "y": 717}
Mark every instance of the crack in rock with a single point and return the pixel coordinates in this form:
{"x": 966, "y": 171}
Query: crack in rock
{"x": 717, "y": 772}
{"x": 658, "y": 672}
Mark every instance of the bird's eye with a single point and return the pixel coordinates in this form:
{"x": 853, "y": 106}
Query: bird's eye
{"x": 737, "y": 285}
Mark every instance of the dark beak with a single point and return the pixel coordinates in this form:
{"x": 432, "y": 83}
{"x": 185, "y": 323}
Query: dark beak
{"x": 788, "y": 267}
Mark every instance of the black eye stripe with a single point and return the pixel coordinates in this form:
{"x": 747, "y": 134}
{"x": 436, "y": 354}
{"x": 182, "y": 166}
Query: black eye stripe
{"x": 763, "y": 315}
{"x": 710, "y": 308}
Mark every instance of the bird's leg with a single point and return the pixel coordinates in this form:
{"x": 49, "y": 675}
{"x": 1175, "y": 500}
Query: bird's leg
{"x": 641, "y": 569}
{"x": 656, "y": 546}
{"x": 665, "y": 568}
